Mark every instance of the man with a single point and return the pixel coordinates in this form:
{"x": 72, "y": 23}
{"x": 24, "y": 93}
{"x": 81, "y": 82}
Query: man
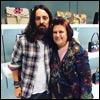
{"x": 30, "y": 57}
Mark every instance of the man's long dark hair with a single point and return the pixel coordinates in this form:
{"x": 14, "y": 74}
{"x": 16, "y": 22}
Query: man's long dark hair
{"x": 29, "y": 31}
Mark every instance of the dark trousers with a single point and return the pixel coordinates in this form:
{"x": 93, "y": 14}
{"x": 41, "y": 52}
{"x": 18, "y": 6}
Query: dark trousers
{"x": 43, "y": 95}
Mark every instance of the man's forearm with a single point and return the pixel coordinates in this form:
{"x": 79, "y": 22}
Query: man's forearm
{"x": 15, "y": 75}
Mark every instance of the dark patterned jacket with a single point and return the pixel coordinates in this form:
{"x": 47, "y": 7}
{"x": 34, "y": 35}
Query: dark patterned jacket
{"x": 71, "y": 77}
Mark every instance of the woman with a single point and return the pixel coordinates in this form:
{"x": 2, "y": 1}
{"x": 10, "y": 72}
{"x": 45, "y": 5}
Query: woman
{"x": 70, "y": 69}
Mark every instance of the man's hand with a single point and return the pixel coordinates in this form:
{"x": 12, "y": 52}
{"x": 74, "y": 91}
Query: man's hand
{"x": 18, "y": 92}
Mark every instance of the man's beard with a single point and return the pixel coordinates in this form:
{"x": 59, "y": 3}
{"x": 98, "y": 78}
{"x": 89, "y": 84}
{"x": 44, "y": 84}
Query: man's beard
{"x": 41, "y": 31}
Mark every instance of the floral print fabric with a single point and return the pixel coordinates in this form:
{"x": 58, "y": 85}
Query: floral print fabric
{"x": 71, "y": 77}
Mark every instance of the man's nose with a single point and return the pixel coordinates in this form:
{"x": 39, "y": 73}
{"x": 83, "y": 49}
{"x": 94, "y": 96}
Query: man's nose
{"x": 41, "y": 20}
{"x": 57, "y": 34}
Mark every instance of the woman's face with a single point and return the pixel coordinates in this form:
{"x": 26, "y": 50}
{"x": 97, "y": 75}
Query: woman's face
{"x": 60, "y": 35}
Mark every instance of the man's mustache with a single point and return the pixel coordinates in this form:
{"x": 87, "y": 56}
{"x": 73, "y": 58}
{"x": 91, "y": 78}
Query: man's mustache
{"x": 41, "y": 25}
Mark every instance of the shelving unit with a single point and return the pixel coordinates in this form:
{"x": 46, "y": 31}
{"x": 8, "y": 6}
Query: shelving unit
{"x": 92, "y": 55}
{"x": 74, "y": 26}
{"x": 85, "y": 33}
{"x": 22, "y": 26}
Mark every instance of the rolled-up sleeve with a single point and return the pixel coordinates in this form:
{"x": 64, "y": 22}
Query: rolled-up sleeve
{"x": 16, "y": 57}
